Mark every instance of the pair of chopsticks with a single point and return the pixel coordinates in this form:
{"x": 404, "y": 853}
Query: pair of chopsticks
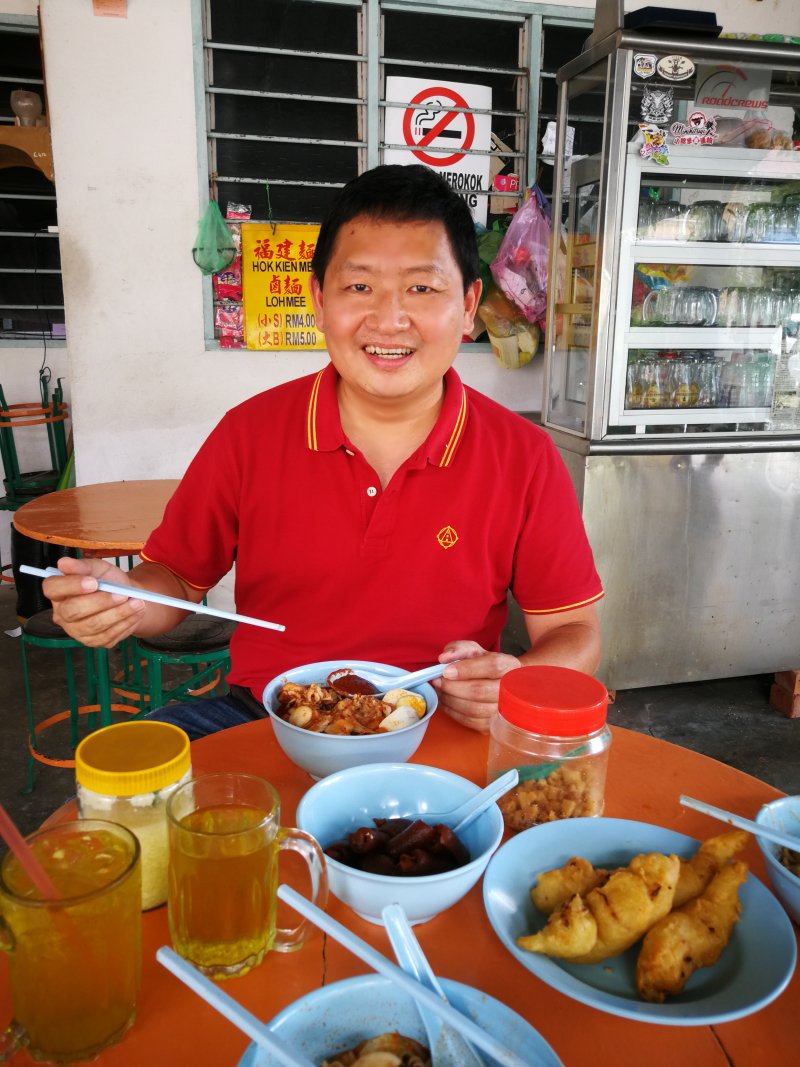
{"x": 157, "y": 598}
{"x": 260, "y": 1031}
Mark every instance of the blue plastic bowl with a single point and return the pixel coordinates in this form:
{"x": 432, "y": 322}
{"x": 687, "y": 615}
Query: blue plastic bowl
{"x": 340, "y": 1015}
{"x": 343, "y": 802}
{"x": 323, "y": 754}
{"x": 782, "y": 814}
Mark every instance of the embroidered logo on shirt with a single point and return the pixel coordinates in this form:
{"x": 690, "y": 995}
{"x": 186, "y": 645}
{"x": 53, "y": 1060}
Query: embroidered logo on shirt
{"x": 447, "y": 537}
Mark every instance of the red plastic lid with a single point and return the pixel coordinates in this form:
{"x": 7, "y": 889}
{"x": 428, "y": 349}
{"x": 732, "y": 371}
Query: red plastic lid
{"x": 554, "y": 701}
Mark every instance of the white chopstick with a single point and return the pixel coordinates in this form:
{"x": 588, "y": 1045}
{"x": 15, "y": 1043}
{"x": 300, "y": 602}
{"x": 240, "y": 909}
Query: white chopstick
{"x": 757, "y": 828}
{"x": 248, "y": 1023}
{"x": 419, "y": 992}
{"x": 157, "y": 598}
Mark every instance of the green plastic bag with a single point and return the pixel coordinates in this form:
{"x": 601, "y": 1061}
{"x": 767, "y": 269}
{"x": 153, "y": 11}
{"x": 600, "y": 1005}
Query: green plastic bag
{"x": 213, "y": 247}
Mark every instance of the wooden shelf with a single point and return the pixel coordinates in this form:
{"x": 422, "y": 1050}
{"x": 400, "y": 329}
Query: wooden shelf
{"x": 27, "y": 146}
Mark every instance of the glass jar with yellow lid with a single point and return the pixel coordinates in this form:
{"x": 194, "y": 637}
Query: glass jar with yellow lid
{"x": 125, "y": 773}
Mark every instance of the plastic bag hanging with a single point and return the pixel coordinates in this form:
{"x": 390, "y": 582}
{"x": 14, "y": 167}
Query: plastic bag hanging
{"x": 520, "y": 267}
{"x": 213, "y": 247}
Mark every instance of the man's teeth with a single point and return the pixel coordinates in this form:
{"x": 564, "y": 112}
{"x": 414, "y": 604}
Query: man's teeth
{"x": 388, "y": 353}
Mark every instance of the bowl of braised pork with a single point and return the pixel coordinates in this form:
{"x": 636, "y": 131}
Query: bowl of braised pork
{"x": 383, "y": 844}
{"x": 324, "y": 731}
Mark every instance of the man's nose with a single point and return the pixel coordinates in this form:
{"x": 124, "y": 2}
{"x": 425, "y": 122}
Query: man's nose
{"x": 389, "y": 311}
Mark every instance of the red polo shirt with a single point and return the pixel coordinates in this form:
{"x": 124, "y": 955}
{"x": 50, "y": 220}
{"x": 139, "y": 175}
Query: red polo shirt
{"x": 354, "y": 571}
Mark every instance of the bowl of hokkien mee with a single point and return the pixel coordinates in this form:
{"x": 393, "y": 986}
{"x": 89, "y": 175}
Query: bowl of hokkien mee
{"x": 353, "y": 1022}
{"x": 323, "y": 731}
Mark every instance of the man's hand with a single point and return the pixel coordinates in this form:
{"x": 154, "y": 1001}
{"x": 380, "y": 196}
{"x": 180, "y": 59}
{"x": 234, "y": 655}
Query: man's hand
{"x": 468, "y": 690}
{"x": 102, "y": 620}
{"x": 99, "y": 620}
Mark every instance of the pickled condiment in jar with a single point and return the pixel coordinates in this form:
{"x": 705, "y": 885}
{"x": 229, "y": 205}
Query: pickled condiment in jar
{"x": 126, "y": 773}
{"x": 551, "y": 726}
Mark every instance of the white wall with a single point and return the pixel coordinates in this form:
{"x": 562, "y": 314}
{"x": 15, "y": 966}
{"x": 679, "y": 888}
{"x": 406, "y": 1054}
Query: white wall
{"x": 144, "y": 391}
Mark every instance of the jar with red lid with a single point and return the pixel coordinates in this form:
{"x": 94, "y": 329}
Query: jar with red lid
{"x": 551, "y": 726}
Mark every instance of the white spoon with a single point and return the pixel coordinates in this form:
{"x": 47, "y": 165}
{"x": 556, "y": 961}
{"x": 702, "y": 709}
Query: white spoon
{"x": 348, "y": 682}
{"x": 757, "y": 828}
{"x": 418, "y": 992}
{"x": 465, "y": 814}
{"x": 447, "y": 1047}
{"x": 255, "y": 1029}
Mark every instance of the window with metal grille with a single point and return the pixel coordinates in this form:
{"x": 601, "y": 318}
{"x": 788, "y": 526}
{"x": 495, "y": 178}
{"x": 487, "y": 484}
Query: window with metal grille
{"x": 31, "y": 294}
{"x": 296, "y": 89}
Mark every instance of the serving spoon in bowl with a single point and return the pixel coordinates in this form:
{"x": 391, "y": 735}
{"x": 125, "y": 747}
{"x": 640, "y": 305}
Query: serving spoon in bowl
{"x": 350, "y": 683}
{"x": 465, "y": 814}
{"x": 446, "y": 1044}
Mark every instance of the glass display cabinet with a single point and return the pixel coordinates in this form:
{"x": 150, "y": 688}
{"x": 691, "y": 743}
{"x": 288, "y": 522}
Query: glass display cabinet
{"x": 672, "y": 376}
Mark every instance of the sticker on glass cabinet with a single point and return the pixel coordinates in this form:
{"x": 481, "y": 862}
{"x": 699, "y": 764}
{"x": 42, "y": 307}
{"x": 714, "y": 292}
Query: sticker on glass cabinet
{"x": 675, "y": 68}
{"x": 655, "y": 145}
{"x": 644, "y": 66}
{"x": 656, "y": 104}
{"x": 699, "y": 128}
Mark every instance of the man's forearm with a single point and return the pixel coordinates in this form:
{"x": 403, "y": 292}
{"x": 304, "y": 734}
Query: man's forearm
{"x": 158, "y": 618}
{"x": 576, "y": 645}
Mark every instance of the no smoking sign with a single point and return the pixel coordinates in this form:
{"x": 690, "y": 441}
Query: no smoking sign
{"x": 427, "y": 124}
{"x": 436, "y": 125}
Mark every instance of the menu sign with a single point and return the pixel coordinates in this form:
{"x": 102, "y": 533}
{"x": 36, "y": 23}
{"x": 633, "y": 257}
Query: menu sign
{"x": 276, "y": 270}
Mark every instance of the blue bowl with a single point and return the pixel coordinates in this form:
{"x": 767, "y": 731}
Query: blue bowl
{"x": 782, "y": 814}
{"x": 343, "y": 802}
{"x": 323, "y": 754}
{"x": 340, "y": 1015}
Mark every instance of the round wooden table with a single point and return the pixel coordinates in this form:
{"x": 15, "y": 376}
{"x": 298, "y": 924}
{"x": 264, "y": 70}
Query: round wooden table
{"x": 645, "y": 779}
{"x": 107, "y": 518}
{"x": 104, "y": 519}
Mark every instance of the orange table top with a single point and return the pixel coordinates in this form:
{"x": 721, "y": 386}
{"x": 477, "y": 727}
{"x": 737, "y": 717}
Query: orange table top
{"x": 646, "y": 777}
{"x": 113, "y": 517}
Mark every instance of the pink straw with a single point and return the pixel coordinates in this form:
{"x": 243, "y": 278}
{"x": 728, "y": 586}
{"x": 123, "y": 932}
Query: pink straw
{"x": 24, "y": 854}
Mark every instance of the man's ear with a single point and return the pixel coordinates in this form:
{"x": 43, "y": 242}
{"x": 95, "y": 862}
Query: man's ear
{"x": 472, "y": 298}
{"x": 316, "y": 299}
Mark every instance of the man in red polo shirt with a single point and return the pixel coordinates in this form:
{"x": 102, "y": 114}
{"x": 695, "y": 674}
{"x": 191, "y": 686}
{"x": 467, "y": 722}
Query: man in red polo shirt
{"x": 379, "y": 509}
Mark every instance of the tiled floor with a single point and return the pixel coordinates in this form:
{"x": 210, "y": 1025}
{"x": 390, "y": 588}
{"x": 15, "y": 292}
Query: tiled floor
{"x": 729, "y": 719}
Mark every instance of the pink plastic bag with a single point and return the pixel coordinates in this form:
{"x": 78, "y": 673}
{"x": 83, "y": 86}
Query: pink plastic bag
{"x": 520, "y": 266}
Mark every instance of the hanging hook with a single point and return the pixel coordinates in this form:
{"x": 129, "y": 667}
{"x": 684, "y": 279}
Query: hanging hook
{"x": 269, "y": 209}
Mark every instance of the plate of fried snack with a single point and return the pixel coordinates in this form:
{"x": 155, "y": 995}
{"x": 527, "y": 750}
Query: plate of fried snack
{"x": 641, "y": 921}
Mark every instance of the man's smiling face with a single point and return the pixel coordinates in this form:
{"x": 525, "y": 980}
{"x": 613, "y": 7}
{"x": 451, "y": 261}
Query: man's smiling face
{"x": 393, "y": 309}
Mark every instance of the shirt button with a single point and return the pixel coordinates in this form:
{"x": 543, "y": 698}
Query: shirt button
{"x": 372, "y": 491}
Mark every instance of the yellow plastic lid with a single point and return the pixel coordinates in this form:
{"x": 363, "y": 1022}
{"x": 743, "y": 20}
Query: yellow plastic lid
{"x": 132, "y": 757}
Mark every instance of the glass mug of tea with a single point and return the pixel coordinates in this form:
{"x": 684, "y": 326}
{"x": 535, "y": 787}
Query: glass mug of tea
{"x": 224, "y": 840}
{"x": 680, "y": 305}
{"x": 74, "y": 959}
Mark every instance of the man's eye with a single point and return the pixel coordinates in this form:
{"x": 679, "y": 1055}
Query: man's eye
{"x": 421, "y": 288}
{"x": 360, "y": 287}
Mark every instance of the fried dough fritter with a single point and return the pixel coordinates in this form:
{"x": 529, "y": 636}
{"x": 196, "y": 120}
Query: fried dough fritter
{"x": 554, "y": 888}
{"x": 710, "y": 858}
{"x": 610, "y": 918}
{"x": 690, "y": 937}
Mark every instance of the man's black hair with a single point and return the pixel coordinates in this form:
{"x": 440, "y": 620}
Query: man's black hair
{"x": 394, "y": 193}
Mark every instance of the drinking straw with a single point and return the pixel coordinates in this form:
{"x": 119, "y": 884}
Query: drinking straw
{"x": 248, "y": 1023}
{"x": 416, "y": 990}
{"x": 134, "y": 592}
{"x": 24, "y": 854}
